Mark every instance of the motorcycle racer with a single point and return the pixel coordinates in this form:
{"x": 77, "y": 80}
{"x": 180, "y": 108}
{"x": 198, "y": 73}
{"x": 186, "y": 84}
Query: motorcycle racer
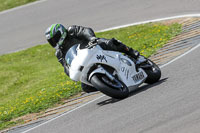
{"x": 62, "y": 39}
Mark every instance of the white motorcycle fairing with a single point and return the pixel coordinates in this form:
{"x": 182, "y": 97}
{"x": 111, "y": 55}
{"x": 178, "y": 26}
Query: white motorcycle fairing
{"x": 84, "y": 59}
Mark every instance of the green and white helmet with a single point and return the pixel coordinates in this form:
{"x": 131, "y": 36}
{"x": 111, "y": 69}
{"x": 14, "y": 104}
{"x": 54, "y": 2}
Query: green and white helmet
{"x": 56, "y": 34}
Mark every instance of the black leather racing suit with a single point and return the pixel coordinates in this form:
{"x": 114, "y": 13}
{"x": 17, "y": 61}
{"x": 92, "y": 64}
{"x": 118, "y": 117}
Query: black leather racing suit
{"x": 83, "y": 35}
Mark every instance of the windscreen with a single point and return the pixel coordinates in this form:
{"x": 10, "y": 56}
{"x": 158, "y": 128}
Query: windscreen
{"x": 71, "y": 54}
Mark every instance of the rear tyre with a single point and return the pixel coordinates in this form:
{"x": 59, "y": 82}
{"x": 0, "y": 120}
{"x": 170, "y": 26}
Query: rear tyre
{"x": 154, "y": 72}
{"x": 116, "y": 90}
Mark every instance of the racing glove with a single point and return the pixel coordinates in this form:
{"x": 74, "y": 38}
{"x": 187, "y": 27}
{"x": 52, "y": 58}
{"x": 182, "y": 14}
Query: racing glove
{"x": 59, "y": 56}
{"x": 93, "y": 41}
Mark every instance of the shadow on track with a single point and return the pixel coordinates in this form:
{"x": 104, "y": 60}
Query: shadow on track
{"x": 139, "y": 90}
{"x": 147, "y": 86}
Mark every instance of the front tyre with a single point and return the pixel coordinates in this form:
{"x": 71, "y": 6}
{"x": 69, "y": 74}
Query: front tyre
{"x": 113, "y": 89}
{"x": 154, "y": 72}
{"x": 87, "y": 88}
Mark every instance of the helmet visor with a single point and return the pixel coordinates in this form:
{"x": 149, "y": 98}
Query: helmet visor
{"x": 54, "y": 40}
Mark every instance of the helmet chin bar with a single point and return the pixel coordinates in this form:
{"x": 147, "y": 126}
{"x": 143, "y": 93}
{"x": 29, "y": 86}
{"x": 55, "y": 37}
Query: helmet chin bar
{"x": 60, "y": 42}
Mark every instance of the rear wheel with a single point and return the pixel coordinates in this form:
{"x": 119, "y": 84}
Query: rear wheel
{"x": 154, "y": 72}
{"x": 115, "y": 89}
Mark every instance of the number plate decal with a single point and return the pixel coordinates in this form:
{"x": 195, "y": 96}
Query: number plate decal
{"x": 138, "y": 77}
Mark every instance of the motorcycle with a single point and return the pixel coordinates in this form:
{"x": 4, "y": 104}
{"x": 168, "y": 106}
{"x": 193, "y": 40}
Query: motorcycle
{"x": 112, "y": 73}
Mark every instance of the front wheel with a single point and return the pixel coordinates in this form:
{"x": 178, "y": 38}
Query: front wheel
{"x": 115, "y": 89}
{"x": 154, "y": 72}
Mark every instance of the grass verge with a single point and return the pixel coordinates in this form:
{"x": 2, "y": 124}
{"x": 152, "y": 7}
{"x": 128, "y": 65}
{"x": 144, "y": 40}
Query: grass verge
{"x": 7, "y": 4}
{"x": 32, "y": 80}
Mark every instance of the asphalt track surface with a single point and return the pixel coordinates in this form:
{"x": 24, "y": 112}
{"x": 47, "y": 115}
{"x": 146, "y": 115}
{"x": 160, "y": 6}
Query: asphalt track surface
{"x": 24, "y": 27}
{"x": 172, "y": 105}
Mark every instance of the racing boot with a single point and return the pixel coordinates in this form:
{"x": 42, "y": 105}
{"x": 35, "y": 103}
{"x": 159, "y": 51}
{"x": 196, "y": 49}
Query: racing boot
{"x": 125, "y": 49}
{"x": 129, "y": 51}
{"x": 133, "y": 53}
{"x": 136, "y": 55}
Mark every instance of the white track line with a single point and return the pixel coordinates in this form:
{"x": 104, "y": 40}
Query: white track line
{"x": 63, "y": 114}
{"x": 181, "y": 55}
{"x": 155, "y": 20}
{"x": 149, "y": 21}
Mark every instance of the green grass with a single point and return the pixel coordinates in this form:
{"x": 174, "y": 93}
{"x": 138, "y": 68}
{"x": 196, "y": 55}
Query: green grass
{"x": 145, "y": 38}
{"x": 32, "y": 80}
{"x": 7, "y": 4}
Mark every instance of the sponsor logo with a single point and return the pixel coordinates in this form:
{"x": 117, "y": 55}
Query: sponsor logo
{"x": 138, "y": 77}
{"x": 101, "y": 58}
